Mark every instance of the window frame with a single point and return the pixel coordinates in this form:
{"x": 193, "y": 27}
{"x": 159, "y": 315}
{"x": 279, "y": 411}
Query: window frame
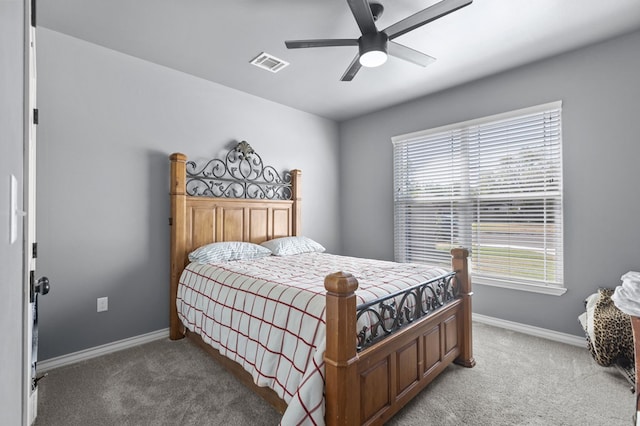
{"x": 423, "y": 137}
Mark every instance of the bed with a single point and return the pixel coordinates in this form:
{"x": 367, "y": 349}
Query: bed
{"x": 366, "y": 373}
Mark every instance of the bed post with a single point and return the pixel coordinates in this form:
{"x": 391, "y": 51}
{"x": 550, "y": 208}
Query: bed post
{"x": 460, "y": 265}
{"x": 342, "y": 389}
{"x": 635, "y": 327}
{"x": 296, "y": 196}
{"x": 178, "y": 236}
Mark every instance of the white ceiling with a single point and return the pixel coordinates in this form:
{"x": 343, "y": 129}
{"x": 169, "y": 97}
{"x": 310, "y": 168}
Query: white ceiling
{"x": 215, "y": 40}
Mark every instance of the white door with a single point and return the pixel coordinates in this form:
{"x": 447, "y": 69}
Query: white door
{"x": 33, "y": 285}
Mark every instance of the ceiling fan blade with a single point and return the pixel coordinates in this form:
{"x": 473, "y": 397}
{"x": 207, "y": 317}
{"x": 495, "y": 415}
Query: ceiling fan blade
{"x": 354, "y": 67}
{"x": 408, "y": 54}
{"x": 301, "y": 44}
{"x": 364, "y": 18}
{"x": 425, "y": 16}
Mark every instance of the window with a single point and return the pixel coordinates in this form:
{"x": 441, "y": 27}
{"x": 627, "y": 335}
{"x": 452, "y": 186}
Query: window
{"x": 493, "y": 185}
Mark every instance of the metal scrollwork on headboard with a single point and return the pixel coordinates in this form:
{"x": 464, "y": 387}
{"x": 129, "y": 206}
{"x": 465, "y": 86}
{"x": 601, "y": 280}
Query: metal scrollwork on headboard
{"x": 240, "y": 175}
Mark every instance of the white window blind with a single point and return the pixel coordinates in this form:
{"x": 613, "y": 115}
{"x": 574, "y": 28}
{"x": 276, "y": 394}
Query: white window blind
{"x": 493, "y": 185}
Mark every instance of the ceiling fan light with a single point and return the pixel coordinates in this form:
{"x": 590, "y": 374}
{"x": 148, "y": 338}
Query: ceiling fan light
{"x": 373, "y": 49}
{"x": 373, "y": 58}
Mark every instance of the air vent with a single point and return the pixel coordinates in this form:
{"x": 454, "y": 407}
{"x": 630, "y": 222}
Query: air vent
{"x": 269, "y": 62}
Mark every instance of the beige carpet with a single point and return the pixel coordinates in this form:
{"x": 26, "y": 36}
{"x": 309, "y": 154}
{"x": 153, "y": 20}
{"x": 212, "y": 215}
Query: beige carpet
{"x": 518, "y": 380}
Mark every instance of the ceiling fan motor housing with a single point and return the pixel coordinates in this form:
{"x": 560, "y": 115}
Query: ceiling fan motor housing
{"x": 373, "y": 42}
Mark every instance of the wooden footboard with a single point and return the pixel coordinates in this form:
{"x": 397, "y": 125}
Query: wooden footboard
{"x": 370, "y": 386}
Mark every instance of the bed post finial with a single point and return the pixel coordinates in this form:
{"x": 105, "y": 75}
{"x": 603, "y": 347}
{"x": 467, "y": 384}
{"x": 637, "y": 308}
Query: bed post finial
{"x": 459, "y": 263}
{"x": 296, "y": 196}
{"x": 342, "y": 389}
{"x": 178, "y": 237}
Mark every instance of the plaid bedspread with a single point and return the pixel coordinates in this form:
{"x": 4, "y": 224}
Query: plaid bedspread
{"x": 268, "y": 315}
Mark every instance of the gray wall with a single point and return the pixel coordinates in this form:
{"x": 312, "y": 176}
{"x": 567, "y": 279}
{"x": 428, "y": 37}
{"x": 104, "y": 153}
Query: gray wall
{"x": 108, "y": 122}
{"x": 600, "y": 90}
{"x": 11, "y": 160}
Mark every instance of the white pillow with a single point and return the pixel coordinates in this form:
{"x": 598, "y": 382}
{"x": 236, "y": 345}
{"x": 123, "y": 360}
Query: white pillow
{"x": 292, "y": 245}
{"x": 228, "y": 250}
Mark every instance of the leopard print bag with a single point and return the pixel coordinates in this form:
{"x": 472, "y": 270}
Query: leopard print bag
{"x": 612, "y": 340}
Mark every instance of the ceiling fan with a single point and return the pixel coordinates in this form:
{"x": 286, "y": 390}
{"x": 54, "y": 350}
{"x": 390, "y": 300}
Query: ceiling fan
{"x": 374, "y": 45}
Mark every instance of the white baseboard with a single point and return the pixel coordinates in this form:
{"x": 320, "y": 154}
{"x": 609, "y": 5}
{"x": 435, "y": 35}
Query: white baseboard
{"x": 108, "y": 348}
{"x": 556, "y": 336}
{"x": 119, "y": 345}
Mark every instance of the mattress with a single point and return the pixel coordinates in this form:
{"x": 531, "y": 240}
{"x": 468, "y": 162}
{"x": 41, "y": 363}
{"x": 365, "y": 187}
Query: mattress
{"x": 268, "y": 315}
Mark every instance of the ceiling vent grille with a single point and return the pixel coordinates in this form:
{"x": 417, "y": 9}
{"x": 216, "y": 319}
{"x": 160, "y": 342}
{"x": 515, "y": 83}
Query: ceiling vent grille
{"x": 269, "y": 62}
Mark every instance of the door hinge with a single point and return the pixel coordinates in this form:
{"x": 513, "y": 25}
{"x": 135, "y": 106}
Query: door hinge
{"x": 32, "y": 286}
{"x": 34, "y": 250}
{"x": 35, "y": 116}
{"x": 33, "y": 13}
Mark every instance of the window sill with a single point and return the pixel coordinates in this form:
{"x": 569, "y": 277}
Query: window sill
{"x": 533, "y": 288}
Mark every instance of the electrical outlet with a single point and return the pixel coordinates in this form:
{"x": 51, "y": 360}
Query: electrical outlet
{"x": 103, "y": 304}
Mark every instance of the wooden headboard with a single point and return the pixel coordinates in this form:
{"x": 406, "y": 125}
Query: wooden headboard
{"x": 197, "y": 220}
